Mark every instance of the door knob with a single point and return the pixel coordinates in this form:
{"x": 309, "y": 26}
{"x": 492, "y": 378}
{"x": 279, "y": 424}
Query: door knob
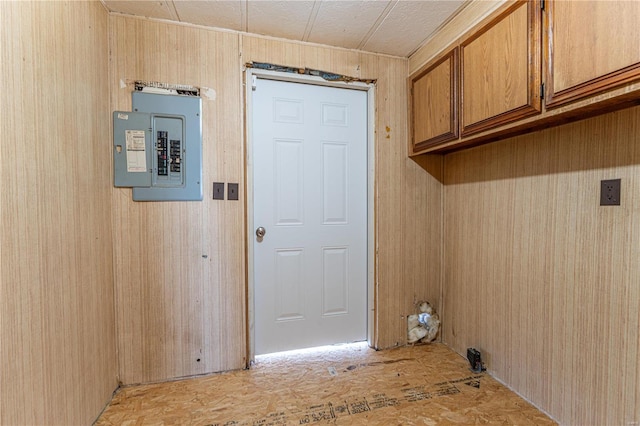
{"x": 260, "y": 232}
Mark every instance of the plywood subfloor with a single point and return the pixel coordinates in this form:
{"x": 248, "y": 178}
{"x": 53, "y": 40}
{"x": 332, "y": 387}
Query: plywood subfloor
{"x": 351, "y": 384}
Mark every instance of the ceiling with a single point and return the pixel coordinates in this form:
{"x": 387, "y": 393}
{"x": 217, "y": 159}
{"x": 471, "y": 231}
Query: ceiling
{"x": 393, "y": 27}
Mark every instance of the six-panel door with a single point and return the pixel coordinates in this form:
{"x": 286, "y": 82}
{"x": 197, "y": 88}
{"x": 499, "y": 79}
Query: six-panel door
{"x": 310, "y": 196}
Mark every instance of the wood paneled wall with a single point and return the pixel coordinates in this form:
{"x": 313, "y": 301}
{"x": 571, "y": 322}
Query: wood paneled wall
{"x": 57, "y": 333}
{"x": 539, "y": 277}
{"x": 180, "y": 267}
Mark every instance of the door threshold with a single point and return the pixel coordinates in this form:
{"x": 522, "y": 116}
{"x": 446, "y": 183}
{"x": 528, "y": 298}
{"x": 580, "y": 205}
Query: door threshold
{"x": 334, "y": 349}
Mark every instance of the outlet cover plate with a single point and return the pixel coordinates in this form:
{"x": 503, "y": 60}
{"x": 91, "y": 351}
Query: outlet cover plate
{"x": 610, "y": 192}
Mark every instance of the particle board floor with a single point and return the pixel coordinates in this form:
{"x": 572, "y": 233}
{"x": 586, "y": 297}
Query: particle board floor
{"x": 343, "y": 385}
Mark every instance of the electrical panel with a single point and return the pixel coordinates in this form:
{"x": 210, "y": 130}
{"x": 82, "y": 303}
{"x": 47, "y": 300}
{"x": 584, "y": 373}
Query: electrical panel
{"x": 158, "y": 147}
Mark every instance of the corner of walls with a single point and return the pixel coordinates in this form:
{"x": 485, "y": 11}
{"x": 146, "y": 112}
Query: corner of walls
{"x": 550, "y": 270}
{"x": 57, "y": 330}
{"x": 433, "y": 216}
{"x": 111, "y": 203}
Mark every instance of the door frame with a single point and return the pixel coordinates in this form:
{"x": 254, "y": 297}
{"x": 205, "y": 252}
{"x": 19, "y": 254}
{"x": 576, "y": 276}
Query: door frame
{"x": 251, "y": 74}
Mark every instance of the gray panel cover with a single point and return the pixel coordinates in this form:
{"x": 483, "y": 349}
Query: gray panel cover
{"x": 131, "y": 149}
{"x": 191, "y": 109}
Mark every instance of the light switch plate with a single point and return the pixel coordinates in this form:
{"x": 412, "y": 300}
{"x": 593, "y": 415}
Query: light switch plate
{"x": 232, "y": 193}
{"x": 218, "y": 190}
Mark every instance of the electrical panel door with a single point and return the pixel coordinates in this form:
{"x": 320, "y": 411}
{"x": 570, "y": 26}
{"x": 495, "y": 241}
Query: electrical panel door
{"x": 131, "y": 149}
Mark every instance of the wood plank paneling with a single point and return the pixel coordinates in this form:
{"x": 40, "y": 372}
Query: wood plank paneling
{"x": 179, "y": 265}
{"x": 172, "y": 313}
{"x": 541, "y": 278}
{"x": 57, "y": 333}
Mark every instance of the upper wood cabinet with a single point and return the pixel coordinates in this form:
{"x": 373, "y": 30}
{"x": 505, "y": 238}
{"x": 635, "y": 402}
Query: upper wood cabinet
{"x": 434, "y": 97}
{"x": 583, "y": 56}
{"x": 501, "y": 67}
{"x": 592, "y": 46}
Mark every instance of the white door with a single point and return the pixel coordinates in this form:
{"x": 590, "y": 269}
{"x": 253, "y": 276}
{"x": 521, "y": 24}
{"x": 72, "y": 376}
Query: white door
{"x": 310, "y": 195}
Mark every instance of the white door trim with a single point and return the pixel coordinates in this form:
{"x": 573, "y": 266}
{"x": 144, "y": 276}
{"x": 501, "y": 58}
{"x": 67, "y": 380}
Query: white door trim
{"x": 250, "y": 75}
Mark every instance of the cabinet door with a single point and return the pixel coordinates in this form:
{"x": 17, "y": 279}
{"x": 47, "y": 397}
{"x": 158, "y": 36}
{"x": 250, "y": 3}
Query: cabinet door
{"x": 434, "y": 103}
{"x": 593, "y": 46}
{"x": 501, "y": 67}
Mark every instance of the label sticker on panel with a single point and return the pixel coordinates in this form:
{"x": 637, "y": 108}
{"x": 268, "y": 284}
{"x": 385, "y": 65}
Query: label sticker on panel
{"x": 136, "y": 154}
